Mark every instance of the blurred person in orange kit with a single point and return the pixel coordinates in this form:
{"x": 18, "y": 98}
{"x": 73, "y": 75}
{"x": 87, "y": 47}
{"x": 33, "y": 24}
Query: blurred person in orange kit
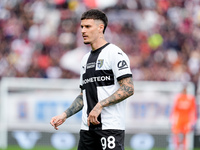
{"x": 183, "y": 118}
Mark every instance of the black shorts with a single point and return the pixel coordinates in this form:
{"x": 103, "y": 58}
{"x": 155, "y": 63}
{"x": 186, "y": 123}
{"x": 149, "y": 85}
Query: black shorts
{"x": 101, "y": 140}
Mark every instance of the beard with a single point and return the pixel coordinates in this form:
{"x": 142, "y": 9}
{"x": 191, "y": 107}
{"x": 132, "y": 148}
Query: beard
{"x": 86, "y": 42}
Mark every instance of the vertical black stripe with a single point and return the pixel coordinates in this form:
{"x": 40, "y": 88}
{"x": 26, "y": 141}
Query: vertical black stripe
{"x": 91, "y": 88}
{"x": 93, "y": 78}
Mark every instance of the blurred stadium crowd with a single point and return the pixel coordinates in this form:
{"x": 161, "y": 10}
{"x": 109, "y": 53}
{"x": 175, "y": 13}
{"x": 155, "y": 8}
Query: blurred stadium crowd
{"x": 161, "y": 37}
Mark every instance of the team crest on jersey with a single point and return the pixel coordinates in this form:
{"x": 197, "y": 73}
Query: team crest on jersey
{"x": 100, "y": 63}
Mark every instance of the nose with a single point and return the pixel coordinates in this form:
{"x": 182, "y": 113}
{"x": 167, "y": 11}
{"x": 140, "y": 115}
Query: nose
{"x": 82, "y": 30}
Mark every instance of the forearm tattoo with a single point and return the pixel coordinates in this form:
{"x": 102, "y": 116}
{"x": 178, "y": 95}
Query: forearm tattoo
{"x": 75, "y": 107}
{"x": 126, "y": 89}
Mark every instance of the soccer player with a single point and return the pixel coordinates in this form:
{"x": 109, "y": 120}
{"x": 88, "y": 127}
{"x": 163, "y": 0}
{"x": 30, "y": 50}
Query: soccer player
{"x": 105, "y": 83}
{"x": 183, "y": 118}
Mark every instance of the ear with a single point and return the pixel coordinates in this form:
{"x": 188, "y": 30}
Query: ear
{"x": 101, "y": 27}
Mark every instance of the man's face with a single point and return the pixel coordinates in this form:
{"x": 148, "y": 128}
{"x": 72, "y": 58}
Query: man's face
{"x": 90, "y": 30}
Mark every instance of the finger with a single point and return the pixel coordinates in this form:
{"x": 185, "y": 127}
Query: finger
{"x": 52, "y": 119}
{"x": 88, "y": 121}
{"x": 52, "y": 122}
{"x": 93, "y": 120}
{"x": 55, "y": 127}
{"x": 58, "y": 122}
{"x": 96, "y": 120}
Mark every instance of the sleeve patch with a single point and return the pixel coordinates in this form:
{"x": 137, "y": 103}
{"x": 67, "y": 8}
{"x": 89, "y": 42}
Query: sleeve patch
{"x": 122, "y": 65}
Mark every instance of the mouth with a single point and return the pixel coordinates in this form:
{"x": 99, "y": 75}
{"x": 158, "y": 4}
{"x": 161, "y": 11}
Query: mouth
{"x": 84, "y": 36}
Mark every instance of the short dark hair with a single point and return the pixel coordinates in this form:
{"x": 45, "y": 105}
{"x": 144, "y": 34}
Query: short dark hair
{"x": 96, "y": 15}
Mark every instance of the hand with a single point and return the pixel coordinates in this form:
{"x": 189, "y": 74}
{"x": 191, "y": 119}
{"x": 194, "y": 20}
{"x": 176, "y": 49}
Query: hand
{"x": 92, "y": 118}
{"x": 58, "y": 120}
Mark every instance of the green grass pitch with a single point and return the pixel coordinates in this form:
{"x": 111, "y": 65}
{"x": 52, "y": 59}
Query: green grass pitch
{"x": 51, "y": 148}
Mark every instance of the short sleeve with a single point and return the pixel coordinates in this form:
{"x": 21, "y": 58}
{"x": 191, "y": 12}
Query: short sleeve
{"x": 120, "y": 64}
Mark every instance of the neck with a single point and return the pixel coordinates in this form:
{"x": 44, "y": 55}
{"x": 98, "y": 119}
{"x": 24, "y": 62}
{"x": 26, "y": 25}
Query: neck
{"x": 99, "y": 43}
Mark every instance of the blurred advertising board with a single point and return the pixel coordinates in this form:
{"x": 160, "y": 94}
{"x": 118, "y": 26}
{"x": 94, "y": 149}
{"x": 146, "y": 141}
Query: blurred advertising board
{"x": 27, "y": 106}
{"x": 34, "y": 110}
{"x": 33, "y": 107}
{"x": 150, "y": 107}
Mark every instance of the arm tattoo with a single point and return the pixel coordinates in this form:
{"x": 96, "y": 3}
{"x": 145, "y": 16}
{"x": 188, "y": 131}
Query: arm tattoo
{"x": 126, "y": 89}
{"x": 75, "y": 107}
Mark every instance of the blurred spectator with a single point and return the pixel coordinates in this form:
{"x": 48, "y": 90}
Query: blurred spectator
{"x": 183, "y": 118}
{"x": 161, "y": 37}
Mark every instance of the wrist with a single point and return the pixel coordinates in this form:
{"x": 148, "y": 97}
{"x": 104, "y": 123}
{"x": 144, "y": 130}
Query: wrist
{"x": 64, "y": 114}
{"x": 100, "y": 105}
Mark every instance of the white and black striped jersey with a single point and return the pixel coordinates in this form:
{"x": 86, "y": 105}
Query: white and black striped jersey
{"x": 100, "y": 72}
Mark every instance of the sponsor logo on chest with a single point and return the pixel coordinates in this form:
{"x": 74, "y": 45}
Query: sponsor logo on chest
{"x": 93, "y": 64}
